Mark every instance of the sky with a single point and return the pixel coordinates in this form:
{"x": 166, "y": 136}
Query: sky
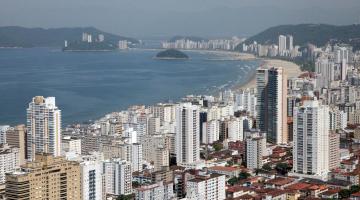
{"x": 166, "y": 18}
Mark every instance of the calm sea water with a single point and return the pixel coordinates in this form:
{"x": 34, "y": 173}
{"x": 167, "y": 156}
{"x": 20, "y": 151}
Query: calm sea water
{"x": 88, "y": 85}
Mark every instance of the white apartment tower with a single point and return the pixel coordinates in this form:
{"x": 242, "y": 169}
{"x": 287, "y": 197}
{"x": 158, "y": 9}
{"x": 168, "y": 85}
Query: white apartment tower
{"x": 43, "y": 127}
{"x": 91, "y": 178}
{"x": 311, "y": 139}
{"x": 118, "y": 177}
{"x": 210, "y": 187}
{"x": 9, "y": 160}
{"x": 282, "y": 45}
{"x": 187, "y": 133}
{"x": 255, "y": 150}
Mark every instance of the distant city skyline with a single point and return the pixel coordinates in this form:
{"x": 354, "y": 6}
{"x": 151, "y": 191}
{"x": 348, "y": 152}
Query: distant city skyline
{"x": 165, "y": 18}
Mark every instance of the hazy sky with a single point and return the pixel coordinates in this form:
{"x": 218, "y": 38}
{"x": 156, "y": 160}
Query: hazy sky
{"x": 209, "y": 18}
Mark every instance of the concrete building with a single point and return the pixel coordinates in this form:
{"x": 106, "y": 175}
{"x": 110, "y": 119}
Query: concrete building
{"x": 211, "y": 131}
{"x": 137, "y": 157}
{"x": 311, "y": 140}
{"x": 155, "y": 191}
{"x": 282, "y": 45}
{"x": 91, "y": 178}
{"x": 71, "y": 144}
{"x": 3, "y": 130}
{"x": 187, "y": 133}
{"x": 272, "y": 104}
{"x": 62, "y": 179}
{"x": 210, "y": 187}
{"x": 255, "y": 150}
{"x": 118, "y": 177}
{"x": 43, "y": 127}
{"x": 237, "y": 126}
{"x": 334, "y": 150}
{"x": 17, "y": 138}
{"x": 9, "y": 160}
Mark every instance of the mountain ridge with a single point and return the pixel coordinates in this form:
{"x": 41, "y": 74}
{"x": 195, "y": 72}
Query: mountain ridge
{"x": 18, "y": 36}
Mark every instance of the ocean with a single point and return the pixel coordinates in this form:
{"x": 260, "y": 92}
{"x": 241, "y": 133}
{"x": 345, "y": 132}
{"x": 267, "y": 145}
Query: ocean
{"x": 87, "y": 85}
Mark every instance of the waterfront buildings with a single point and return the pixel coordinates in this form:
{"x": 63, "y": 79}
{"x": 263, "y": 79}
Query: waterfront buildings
{"x": 271, "y": 104}
{"x": 62, "y": 179}
{"x": 43, "y": 127}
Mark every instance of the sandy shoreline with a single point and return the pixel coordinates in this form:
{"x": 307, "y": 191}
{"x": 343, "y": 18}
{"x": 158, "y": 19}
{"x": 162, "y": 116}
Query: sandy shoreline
{"x": 292, "y": 70}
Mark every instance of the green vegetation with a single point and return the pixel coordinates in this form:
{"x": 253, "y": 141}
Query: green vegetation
{"x": 15, "y": 36}
{"x": 282, "y": 168}
{"x": 318, "y": 34}
{"x": 126, "y": 197}
{"x": 218, "y": 146}
{"x": 235, "y": 180}
{"x": 171, "y": 54}
{"x": 345, "y": 193}
{"x": 266, "y": 167}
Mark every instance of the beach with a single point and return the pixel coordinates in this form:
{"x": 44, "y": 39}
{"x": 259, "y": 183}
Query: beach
{"x": 291, "y": 69}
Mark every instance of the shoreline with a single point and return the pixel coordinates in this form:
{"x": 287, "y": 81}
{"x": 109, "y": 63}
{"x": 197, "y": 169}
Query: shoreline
{"x": 292, "y": 70}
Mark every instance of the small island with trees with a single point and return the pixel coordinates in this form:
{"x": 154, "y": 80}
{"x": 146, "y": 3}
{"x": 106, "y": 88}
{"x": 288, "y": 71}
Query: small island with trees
{"x": 170, "y": 54}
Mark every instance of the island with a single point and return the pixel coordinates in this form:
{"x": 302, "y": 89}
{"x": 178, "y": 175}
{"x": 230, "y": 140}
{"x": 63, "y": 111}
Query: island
{"x": 170, "y": 54}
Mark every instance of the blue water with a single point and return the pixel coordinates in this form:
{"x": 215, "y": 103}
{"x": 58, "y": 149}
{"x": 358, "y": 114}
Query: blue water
{"x": 88, "y": 85}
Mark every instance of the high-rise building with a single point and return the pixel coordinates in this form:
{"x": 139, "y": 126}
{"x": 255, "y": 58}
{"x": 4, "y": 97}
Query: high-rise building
{"x": 43, "y": 127}
{"x": 334, "y": 150}
{"x": 17, "y": 138}
{"x": 153, "y": 125}
{"x": 46, "y": 177}
{"x": 3, "y": 130}
{"x": 210, "y": 186}
{"x": 137, "y": 157}
{"x": 237, "y": 126}
{"x": 9, "y": 160}
{"x": 272, "y": 104}
{"x": 282, "y": 45}
{"x": 311, "y": 139}
{"x": 289, "y": 42}
{"x": 155, "y": 191}
{"x": 255, "y": 149}
{"x": 118, "y": 177}
{"x": 211, "y": 131}
{"x": 71, "y": 144}
{"x": 91, "y": 178}
{"x": 187, "y": 133}
{"x": 325, "y": 72}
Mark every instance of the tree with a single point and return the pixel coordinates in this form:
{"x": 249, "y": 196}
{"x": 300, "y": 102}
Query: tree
{"x": 126, "y": 197}
{"x": 282, "y": 168}
{"x": 244, "y": 175}
{"x": 233, "y": 180}
{"x": 344, "y": 193}
{"x": 266, "y": 167}
{"x": 217, "y": 146}
{"x": 354, "y": 189}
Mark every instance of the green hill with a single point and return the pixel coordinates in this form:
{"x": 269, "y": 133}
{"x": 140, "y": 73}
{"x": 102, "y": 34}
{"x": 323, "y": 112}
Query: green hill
{"x": 171, "y": 54}
{"x": 318, "y": 34}
{"x": 15, "y": 36}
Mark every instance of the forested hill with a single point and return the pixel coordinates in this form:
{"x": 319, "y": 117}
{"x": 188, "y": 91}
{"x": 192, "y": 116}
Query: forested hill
{"x": 318, "y": 34}
{"x": 16, "y": 36}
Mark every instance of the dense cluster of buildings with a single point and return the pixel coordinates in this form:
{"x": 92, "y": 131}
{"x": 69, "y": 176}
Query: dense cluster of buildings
{"x": 91, "y": 39}
{"x": 216, "y": 44}
{"x": 286, "y": 138}
{"x": 284, "y": 48}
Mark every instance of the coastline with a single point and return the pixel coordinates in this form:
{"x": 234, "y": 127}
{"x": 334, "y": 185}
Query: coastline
{"x": 291, "y": 69}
